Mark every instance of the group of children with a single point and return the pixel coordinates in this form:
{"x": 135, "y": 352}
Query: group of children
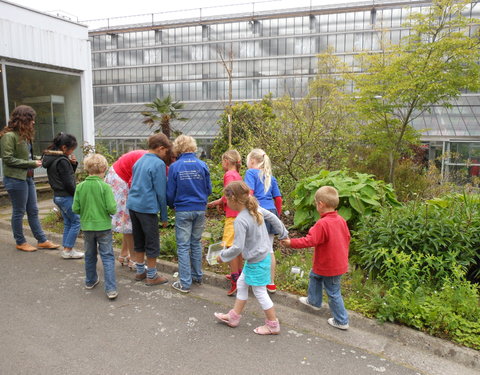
{"x": 252, "y": 207}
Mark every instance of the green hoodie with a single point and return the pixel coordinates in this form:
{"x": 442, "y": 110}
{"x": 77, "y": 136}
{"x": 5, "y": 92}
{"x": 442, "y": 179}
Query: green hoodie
{"x": 94, "y": 202}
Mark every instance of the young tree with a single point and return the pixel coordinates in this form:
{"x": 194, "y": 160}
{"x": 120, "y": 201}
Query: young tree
{"x": 432, "y": 65}
{"x": 164, "y": 110}
{"x": 245, "y": 118}
{"x": 313, "y": 133}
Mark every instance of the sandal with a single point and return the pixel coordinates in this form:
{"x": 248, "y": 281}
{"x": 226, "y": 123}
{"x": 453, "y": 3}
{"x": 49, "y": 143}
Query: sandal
{"x": 232, "y": 319}
{"x": 132, "y": 265}
{"x": 123, "y": 260}
{"x": 271, "y": 327}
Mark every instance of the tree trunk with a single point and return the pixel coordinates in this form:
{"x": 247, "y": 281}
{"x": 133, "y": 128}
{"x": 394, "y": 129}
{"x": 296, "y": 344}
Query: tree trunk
{"x": 391, "y": 172}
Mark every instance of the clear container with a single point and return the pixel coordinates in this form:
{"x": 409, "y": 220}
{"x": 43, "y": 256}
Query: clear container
{"x": 214, "y": 251}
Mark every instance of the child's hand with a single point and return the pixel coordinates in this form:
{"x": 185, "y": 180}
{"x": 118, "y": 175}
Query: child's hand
{"x": 213, "y": 203}
{"x": 219, "y": 259}
{"x": 285, "y": 242}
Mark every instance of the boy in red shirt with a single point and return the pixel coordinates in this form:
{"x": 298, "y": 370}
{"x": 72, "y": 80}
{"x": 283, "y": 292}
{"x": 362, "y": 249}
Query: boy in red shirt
{"x": 330, "y": 238}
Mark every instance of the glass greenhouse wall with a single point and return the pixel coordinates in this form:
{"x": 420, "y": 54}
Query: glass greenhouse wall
{"x": 270, "y": 52}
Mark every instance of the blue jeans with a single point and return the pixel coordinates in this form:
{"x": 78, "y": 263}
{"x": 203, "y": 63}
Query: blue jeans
{"x": 189, "y": 227}
{"x": 71, "y": 221}
{"x": 24, "y": 199}
{"x": 104, "y": 241}
{"x": 332, "y": 287}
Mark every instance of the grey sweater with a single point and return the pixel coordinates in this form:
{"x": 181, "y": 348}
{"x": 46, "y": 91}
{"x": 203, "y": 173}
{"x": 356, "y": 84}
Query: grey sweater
{"x": 251, "y": 240}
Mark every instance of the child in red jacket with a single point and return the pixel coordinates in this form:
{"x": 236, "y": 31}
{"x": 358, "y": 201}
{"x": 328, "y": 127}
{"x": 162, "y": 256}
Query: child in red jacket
{"x": 330, "y": 238}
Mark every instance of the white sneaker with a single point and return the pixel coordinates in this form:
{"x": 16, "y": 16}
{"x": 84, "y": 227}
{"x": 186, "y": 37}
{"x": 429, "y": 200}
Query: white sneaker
{"x": 72, "y": 254}
{"x": 304, "y": 300}
{"x": 335, "y": 324}
{"x": 112, "y": 294}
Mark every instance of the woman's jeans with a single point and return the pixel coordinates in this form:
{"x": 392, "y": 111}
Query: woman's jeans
{"x": 24, "y": 199}
{"x": 71, "y": 221}
{"x": 189, "y": 227}
{"x": 99, "y": 243}
{"x": 332, "y": 287}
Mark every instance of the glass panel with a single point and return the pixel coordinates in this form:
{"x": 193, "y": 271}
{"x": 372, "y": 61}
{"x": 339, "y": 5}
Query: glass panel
{"x": 55, "y": 97}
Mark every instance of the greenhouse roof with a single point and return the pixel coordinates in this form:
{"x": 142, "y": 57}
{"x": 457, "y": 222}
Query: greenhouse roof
{"x": 462, "y": 120}
{"x": 125, "y": 121}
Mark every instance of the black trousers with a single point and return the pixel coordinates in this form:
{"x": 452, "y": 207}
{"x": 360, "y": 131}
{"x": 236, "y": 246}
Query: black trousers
{"x": 146, "y": 238}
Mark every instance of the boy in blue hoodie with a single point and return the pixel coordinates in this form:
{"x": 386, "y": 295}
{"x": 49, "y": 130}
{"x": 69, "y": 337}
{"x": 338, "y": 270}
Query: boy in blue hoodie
{"x": 146, "y": 199}
{"x": 188, "y": 188}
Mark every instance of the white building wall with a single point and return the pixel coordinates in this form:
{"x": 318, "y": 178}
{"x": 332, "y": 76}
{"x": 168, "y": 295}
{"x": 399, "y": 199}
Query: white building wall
{"x": 34, "y": 37}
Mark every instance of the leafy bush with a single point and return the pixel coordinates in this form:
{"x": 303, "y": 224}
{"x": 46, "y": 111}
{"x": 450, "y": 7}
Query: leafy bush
{"x": 418, "y": 256}
{"x": 432, "y": 237}
{"x": 168, "y": 244}
{"x": 360, "y": 195}
{"x": 216, "y": 176}
{"x": 288, "y": 281}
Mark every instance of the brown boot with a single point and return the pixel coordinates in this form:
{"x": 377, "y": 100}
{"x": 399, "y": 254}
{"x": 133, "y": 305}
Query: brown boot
{"x": 48, "y": 245}
{"x": 141, "y": 276}
{"x": 26, "y": 247}
{"x": 157, "y": 280}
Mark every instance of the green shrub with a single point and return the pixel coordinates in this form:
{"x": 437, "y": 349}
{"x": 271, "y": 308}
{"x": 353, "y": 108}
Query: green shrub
{"x": 216, "y": 176}
{"x": 360, "y": 195}
{"x": 168, "y": 244}
{"x": 288, "y": 281}
{"x": 429, "y": 239}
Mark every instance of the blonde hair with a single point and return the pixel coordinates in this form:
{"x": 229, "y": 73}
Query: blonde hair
{"x": 95, "y": 164}
{"x": 184, "y": 143}
{"x": 233, "y": 157}
{"x": 239, "y": 192}
{"x": 263, "y": 163}
{"x": 327, "y": 195}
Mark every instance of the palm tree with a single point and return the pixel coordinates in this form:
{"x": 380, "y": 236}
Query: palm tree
{"x": 163, "y": 111}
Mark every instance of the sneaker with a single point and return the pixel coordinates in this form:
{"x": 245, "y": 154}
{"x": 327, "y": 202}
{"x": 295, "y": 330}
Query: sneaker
{"x": 304, "y": 300}
{"x": 112, "y": 294}
{"x": 271, "y": 288}
{"x": 48, "y": 245}
{"x": 140, "y": 276}
{"x": 197, "y": 282}
{"x": 72, "y": 254}
{"x": 157, "y": 280}
{"x": 91, "y": 286}
{"x": 335, "y": 324}
{"x": 178, "y": 286}
{"x": 233, "y": 289}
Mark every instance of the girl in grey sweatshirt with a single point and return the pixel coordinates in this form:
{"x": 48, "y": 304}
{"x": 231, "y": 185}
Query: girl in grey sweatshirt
{"x": 252, "y": 241}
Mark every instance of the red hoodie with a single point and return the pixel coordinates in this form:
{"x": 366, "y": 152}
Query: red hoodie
{"x": 330, "y": 238}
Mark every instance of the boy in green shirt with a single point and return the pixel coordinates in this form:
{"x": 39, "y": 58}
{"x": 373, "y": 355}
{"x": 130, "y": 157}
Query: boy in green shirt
{"x": 95, "y": 203}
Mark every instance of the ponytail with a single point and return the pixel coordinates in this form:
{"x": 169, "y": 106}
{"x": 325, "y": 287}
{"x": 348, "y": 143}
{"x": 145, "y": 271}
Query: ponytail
{"x": 264, "y": 164}
{"x": 252, "y": 207}
{"x": 240, "y": 192}
{"x": 233, "y": 157}
{"x": 63, "y": 139}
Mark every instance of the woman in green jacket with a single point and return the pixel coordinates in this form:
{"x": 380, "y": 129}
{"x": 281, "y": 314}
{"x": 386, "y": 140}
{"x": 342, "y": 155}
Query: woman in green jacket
{"x": 18, "y": 165}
